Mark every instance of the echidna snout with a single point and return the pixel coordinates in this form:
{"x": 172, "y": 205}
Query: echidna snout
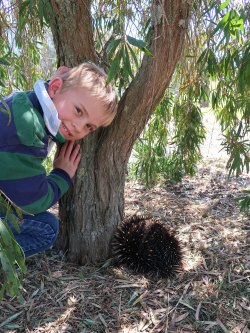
{"x": 146, "y": 246}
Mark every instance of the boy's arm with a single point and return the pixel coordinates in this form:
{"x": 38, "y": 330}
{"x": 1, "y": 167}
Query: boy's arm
{"x": 23, "y": 178}
{"x": 58, "y": 181}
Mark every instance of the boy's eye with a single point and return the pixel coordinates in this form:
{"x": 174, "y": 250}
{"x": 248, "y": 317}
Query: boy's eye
{"x": 89, "y": 127}
{"x": 78, "y": 110}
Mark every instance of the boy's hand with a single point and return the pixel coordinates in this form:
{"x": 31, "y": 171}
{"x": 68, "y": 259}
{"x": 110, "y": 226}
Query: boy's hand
{"x": 68, "y": 157}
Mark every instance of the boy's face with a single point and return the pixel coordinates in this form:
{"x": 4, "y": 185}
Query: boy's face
{"x": 79, "y": 112}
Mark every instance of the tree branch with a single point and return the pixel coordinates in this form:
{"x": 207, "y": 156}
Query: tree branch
{"x": 170, "y": 22}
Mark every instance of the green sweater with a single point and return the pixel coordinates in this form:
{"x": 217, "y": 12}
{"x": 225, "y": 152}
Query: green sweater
{"x": 23, "y": 147}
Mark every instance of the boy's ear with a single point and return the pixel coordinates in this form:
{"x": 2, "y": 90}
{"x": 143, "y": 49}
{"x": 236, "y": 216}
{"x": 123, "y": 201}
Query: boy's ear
{"x": 55, "y": 86}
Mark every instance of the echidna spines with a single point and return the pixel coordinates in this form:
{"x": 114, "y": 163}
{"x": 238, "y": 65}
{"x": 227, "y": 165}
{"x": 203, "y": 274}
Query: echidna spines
{"x": 146, "y": 246}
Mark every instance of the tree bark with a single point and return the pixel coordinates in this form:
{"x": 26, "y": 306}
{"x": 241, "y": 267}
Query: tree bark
{"x": 91, "y": 211}
{"x": 71, "y": 27}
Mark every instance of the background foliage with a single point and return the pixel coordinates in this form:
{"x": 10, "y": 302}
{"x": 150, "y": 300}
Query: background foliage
{"x": 215, "y": 68}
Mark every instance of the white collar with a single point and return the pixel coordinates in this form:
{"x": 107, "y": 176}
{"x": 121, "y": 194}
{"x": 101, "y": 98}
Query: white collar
{"x": 50, "y": 113}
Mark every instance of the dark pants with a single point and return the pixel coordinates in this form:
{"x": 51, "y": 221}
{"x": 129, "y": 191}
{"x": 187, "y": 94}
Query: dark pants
{"x": 38, "y": 232}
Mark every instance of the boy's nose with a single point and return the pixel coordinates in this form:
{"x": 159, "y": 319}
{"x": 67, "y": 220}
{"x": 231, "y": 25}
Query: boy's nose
{"x": 76, "y": 126}
{"x": 79, "y": 126}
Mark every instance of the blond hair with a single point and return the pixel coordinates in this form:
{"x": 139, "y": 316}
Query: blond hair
{"x": 90, "y": 76}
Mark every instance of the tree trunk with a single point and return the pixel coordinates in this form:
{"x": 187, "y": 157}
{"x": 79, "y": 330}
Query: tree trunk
{"x": 72, "y": 31}
{"x": 91, "y": 211}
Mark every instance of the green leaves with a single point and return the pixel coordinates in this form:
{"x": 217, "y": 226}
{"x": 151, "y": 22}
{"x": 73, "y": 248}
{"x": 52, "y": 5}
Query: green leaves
{"x": 231, "y": 25}
{"x": 224, "y": 5}
{"x": 149, "y": 155}
{"x": 124, "y": 54}
{"x": 162, "y": 153}
{"x": 239, "y": 150}
{"x": 189, "y": 135}
{"x": 4, "y": 62}
{"x": 217, "y": 72}
{"x": 113, "y": 46}
{"x": 30, "y": 9}
{"x": 244, "y": 201}
{"x": 243, "y": 77}
{"x": 140, "y": 44}
{"x": 21, "y": 46}
{"x": 5, "y": 108}
{"x": 114, "y": 70}
{"x": 11, "y": 254}
{"x": 225, "y": 59}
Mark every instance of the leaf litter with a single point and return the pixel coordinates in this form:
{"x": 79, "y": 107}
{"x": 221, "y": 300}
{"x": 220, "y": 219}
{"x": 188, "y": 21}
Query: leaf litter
{"x": 211, "y": 294}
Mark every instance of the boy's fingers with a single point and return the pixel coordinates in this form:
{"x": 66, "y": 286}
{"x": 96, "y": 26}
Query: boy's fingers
{"x": 75, "y": 153}
{"x": 77, "y": 160}
{"x": 69, "y": 145}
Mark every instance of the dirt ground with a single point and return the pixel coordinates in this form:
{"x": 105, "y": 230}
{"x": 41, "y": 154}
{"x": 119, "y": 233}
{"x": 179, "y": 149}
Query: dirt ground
{"x": 211, "y": 294}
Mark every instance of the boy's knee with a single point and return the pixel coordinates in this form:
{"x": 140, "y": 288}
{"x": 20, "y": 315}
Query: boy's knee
{"x": 54, "y": 223}
{"x": 49, "y": 221}
{"x": 52, "y": 226}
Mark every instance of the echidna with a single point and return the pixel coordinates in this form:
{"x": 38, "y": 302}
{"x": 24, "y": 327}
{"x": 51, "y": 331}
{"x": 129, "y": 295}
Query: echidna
{"x": 146, "y": 246}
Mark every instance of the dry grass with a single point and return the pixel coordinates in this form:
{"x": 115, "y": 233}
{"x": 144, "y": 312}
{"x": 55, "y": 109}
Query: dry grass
{"x": 211, "y": 295}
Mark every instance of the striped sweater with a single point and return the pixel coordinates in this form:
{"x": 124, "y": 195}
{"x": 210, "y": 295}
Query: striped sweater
{"x": 23, "y": 147}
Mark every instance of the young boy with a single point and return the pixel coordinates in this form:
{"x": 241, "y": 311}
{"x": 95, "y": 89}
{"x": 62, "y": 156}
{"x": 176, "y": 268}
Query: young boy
{"x": 66, "y": 109}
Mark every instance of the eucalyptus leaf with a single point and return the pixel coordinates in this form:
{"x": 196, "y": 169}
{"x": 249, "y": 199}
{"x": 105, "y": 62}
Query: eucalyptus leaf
{"x": 134, "y": 56}
{"x": 4, "y": 62}
{"x": 224, "y": 4}
{"x": 139, "y": 43}
{"x": 113, "y": 46}
{"x": 127, "y": 62}
{"x": 115, "y": 67}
